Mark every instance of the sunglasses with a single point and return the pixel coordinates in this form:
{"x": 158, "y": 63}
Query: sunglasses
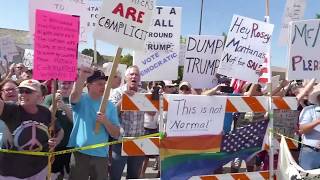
{"x": 184, "y": 88}
{"x": 25, "y": 90}
{"x": 66, "y": 83}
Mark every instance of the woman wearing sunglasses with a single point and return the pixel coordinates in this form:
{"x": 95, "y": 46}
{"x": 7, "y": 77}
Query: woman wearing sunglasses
{"x": 9, "y": 92}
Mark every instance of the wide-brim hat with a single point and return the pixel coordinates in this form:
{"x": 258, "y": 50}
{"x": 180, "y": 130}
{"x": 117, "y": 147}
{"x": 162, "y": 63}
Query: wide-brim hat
{"x": 314, "y": 94}
{"x": 184, "y": 83}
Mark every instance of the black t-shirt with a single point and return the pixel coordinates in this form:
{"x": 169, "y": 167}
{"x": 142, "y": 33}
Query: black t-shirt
{"x": 30, "y": 132}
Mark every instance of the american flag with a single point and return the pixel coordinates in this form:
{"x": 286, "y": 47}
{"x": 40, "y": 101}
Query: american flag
{"x": 250, "y": 136}
{"x": 265, "y": 71}
{"x": 237, "y": 85}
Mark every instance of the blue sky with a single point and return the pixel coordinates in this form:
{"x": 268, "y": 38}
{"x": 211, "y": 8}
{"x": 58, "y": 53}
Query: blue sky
{"x": 217, "y": 15}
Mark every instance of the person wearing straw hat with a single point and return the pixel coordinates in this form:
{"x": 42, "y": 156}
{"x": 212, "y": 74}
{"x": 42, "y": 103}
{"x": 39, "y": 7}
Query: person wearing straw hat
{"x": 309, "y": 122}
{"x": 29, "y": 123}
{"x": 185, "y": 88}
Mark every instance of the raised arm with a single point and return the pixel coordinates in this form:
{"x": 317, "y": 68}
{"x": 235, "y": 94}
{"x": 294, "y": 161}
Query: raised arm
{"x": 1, "y": 107}
{"x": 76, "y": 92}
{"x": 306, "y": 89}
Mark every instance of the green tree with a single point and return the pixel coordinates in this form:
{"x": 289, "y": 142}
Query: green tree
{"x": 127, "y": 59}
{"x": 318, "y": 16}
{"x": 180, "y": 74}
{"x": 90, "y": 52}
{"x": 225, "y": 37}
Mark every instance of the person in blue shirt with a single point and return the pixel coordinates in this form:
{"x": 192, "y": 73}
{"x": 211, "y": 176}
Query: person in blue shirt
{"x": 91, "y": 163}
{"x": 309, "y": 127}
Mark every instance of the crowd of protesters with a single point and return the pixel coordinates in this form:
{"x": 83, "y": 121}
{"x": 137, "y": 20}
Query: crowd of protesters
{"x": 26, "y": 103}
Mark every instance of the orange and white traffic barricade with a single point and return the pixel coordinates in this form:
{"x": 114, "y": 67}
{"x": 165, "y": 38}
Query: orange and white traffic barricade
{"x": 144, "y": 102}
{"x": 260, "y": 175}
{"x": 140, "y": 147}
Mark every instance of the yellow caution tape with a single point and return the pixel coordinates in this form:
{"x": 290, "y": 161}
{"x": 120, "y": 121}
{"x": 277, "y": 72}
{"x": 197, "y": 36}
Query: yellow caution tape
{"x": 94, "y": 146}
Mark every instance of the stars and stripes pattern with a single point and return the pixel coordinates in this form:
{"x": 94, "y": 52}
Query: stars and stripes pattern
{"x": 265, "y": 71}
{"x": 250, "y": 136}
{"x": 237, "y": 85}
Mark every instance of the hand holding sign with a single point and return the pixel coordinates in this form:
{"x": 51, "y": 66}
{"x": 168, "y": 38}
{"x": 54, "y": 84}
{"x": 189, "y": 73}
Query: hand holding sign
{"x": 85, "y": 72}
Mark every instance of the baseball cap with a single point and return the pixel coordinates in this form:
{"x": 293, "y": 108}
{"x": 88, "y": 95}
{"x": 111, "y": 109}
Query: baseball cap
{"x": 184, "y": 83}
{"x": 31, "y": 84}
{"x": 97, "y": 75}
{"x": 169, "y": 83}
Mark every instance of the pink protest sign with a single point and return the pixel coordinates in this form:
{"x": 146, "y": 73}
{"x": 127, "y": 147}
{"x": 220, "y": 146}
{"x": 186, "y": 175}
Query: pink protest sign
{"x": 56, "y": 46}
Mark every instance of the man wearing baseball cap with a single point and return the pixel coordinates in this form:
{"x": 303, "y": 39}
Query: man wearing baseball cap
{"x": 185, "y": 88}
{"x": 86, "y": 113}
{"x": 22, "y": 118}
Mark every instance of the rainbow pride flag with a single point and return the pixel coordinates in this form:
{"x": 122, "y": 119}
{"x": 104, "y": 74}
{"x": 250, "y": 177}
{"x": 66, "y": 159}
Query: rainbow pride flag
{"x": 184, "y": 157}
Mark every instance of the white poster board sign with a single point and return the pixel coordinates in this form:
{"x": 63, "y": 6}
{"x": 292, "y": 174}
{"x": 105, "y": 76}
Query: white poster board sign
{"x": 124, "y": 22}
{"x": 182, "y": 53}
{"x": 93, "y": 9}
{"x": 161, "y": 52}
{"x": 84, "y": 60}
{"x": 8, "y": 48}
{"x": 78, "y": 8}
{"x": 28, "y": 58}
{"x": 285, "y": 122}
{"x": 293, "y": 11}
{"x": 202, "y": 60}
{"x": 121, "y": 68}
{"x": 247, "y": 44}
{"x": 304, "y": 48}
{"x": 193, "y": 115}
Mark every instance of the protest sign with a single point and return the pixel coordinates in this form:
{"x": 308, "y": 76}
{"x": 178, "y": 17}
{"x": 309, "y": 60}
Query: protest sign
{"x": 294, "y": 11}
{"x": 28, "y": 58}
{"x": 162, "y": 46}
{"x": 192, "y": 115}
{"x": 182, "y": 54}
{"x": 247, "y": 44}
{"x": 56, "y": 46}
{"x": 8, "y": 48}
{"x": 84, "y": 60}
{"x": 285, "y": 122}
{"x": 78, "y": 8}
{"x": 304, "y": 47}
{"x": 121, "y": 68}
{"x": 124, "y": 23}
{"x": 202, "y": 60}
{"x": 289, "y": 169}
{"x": 275, "y": 81}
{"x": 93, "y": 9}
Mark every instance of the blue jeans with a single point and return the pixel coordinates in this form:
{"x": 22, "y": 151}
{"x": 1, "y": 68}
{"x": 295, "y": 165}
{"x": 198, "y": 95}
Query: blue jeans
{"x": 134, "y": 164}
{"x": 309, "y": 158}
